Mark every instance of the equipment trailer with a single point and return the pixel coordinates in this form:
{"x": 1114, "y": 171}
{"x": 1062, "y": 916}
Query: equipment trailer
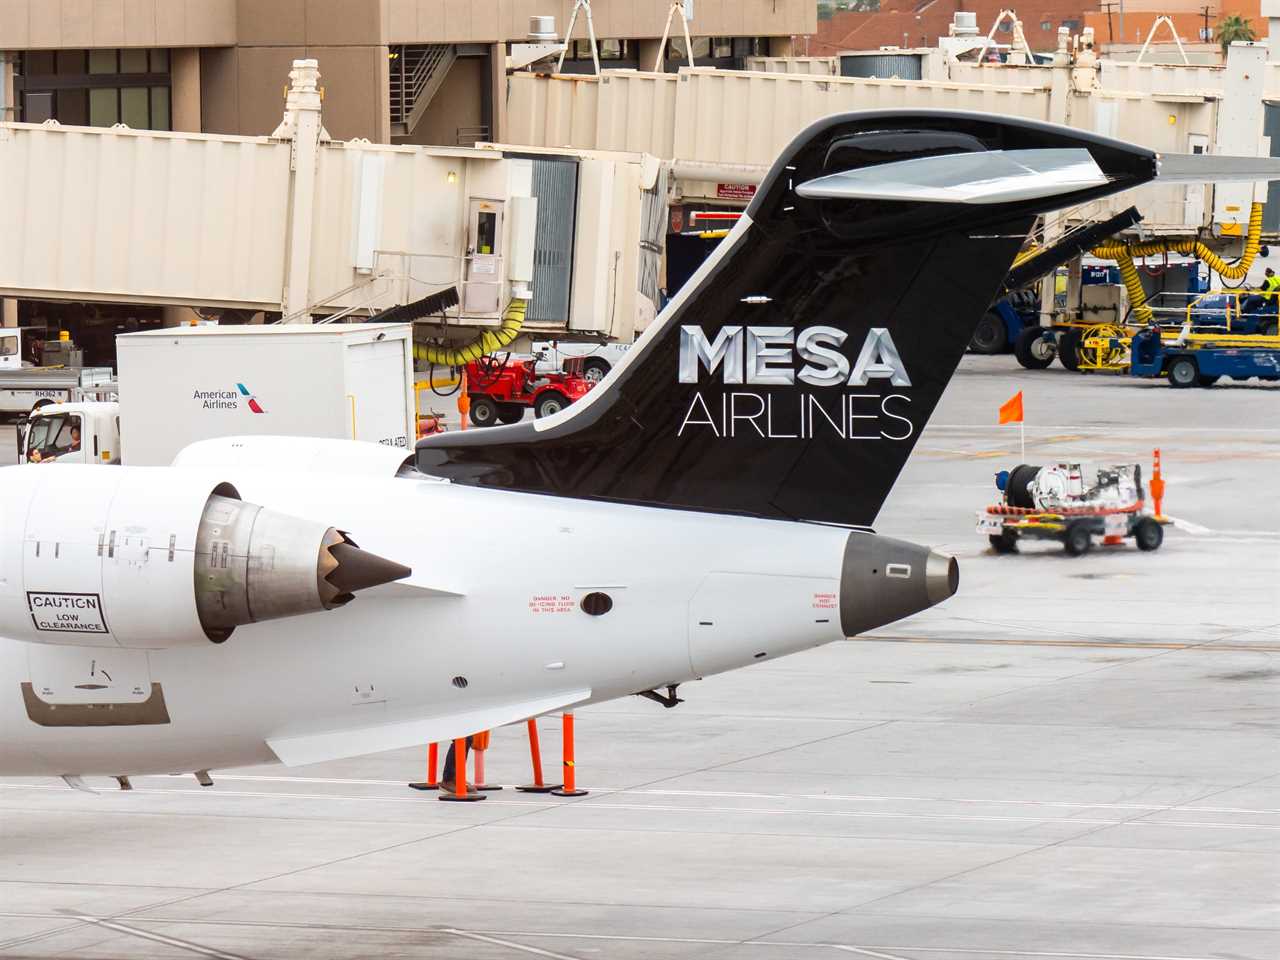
{"x": 1053, "y": 503}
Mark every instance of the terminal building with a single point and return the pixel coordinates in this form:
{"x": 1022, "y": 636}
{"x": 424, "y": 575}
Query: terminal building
{"x": 421, "y": 72}
{"x": 249, "y": 162}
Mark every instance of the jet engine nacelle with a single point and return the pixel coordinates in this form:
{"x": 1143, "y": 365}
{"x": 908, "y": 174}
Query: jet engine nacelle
{"x": 154, "y": 557}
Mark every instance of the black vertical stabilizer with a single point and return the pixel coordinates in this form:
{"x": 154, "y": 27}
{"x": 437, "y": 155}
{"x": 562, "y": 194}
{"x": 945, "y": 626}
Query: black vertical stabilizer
{"x": 793, "y": 375}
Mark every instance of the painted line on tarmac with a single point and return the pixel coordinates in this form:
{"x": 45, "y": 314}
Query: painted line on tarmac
{"x": 1207, "y": 645}
{"x": 499, "y": 937}
{"x": 1102, "y": 431}
{"x": 865, "y": 949}
{"x": 745, "y": 795}
{"x": 510, "y": 944}
{"x": 157, "y": 937}
{"x": 684, "y": 810}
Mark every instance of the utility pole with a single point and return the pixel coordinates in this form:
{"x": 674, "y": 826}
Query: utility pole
{"x": 1107, "y": 8}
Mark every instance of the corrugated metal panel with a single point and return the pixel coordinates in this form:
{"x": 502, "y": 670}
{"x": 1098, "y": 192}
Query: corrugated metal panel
{"x": 121, "y": 213}
{"x": 999, "y": 74}
{"x": 653, "y": 236}
{"x": 553, "y": 111}
{"x": 637, "y": 112}
{"x": 1271, "y": 128}
{"x": 605, "y": 264}
{"x": 883, "y": 66}
{"x": 555, "y": 186}
{"x": 418, "y": 212}
{"x": 1126, "y": 75}
{"x": 1139, "y": 119}
{"x": 805, "y": 66}
{"x": 744, "y": 117}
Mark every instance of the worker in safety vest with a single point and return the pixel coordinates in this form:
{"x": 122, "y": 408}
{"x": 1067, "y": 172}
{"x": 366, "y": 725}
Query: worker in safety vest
{"x": 1271, "y": 286}
{"x": 1265, "y": 300}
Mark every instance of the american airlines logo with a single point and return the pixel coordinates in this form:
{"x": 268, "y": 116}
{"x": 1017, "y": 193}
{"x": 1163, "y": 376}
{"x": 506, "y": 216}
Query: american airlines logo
{"x": 228, "y": 399}
{"x": 781, "y": 357}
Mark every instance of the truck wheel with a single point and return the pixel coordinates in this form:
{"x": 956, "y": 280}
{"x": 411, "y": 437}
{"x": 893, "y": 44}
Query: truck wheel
{"x": 595, "y": 369}
{"x": 1004, "y": 542}
{"x": 1069, "y": 348}
{"x": 1183, "y": 372}
{"x": 1034, "y": 350}
{"x": 1206, "y": 381}
{"x": 549, "y": 403}
{"x": 484, "y": 412}
{"x": 510, "y": 412}
{"x": 1015, "y": 491}
{"x": 1078, "y": 540}
{"x": 990, "y": 336}
{"x": 1148, "y": 534}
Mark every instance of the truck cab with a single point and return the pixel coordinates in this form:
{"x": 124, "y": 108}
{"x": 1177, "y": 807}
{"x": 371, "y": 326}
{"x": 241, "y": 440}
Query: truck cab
{"x": 86, "y": 432}
{"x": 20, "y": 347}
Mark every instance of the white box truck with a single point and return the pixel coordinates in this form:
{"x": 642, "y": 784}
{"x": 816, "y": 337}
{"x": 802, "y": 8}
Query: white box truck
{"x": 180, "y": 385}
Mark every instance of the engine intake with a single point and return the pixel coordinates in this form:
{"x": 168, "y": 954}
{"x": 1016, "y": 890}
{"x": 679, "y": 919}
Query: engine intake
{"x": 154, "y": 558}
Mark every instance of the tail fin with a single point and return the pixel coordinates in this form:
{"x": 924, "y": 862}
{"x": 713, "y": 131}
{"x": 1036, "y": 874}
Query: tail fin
{"x": 793, "y": 375}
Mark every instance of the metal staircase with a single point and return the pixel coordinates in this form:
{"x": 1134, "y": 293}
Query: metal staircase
{"x": 418, "y": 71}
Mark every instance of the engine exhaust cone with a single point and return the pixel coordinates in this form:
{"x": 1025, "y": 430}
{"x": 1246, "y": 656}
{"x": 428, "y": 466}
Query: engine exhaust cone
{"x": 358, "y": 569}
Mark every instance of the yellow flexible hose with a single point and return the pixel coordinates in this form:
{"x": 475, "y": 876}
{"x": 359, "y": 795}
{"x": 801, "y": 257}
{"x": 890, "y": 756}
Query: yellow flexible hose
{"x": 1195, "y": 248}
{"x": 486, "y": 342}
{"x": 1133, "y": 285}
{"x": 1123, "y": 254}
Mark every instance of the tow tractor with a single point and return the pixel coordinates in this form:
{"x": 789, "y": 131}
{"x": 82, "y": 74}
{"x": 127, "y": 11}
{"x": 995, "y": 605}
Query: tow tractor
{"x": 1063, "y": 502}
{"x": 501, "y": 390}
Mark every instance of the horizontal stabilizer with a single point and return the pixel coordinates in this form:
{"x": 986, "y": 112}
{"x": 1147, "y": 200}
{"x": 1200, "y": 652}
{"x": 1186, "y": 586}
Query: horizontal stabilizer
{"x": 294, "y": 751}
{"x": 993, "y": 176}
{"x": 1206, "y": 168}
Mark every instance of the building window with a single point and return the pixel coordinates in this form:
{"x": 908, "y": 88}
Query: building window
{"x": 608, "y": 49}
{"x": 95, "y": 88}
{"x": 1046, "y": 24}
{"x": 1072, "y": 25}
{"x": 701, "y": 48}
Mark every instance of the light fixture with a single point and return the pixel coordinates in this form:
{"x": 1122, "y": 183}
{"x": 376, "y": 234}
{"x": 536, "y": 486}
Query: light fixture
{"x": 453, "y": 176}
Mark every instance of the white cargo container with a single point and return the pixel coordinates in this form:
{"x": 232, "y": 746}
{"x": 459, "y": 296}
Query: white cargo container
{"x": 194, "y": 383}
{"x": 348, "y": 381}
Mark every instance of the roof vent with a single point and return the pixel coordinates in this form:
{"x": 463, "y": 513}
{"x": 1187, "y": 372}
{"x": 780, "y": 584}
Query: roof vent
{"x": 542, "y": 30}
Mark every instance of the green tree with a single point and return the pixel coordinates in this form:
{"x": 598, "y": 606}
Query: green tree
{"x": 1233, "y": 28}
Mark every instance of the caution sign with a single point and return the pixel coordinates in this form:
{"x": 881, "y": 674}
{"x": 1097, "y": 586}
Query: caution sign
{"x": 67, "y": 612}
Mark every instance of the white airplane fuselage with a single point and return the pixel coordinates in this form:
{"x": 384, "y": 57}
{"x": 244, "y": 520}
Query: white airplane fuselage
{"x": 494, "y": 599}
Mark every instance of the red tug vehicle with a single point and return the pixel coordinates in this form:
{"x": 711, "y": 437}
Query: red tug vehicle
{"x": 501, "y": 390}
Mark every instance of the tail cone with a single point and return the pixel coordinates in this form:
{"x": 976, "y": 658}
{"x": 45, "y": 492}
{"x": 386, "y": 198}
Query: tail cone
{"x": 355, "y": 569}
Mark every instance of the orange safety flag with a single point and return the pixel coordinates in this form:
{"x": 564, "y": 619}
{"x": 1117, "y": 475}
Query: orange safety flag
{"x": 1011, "y": 409}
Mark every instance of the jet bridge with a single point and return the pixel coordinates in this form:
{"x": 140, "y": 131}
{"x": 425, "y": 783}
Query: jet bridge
{"x": 303, "y": 226}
